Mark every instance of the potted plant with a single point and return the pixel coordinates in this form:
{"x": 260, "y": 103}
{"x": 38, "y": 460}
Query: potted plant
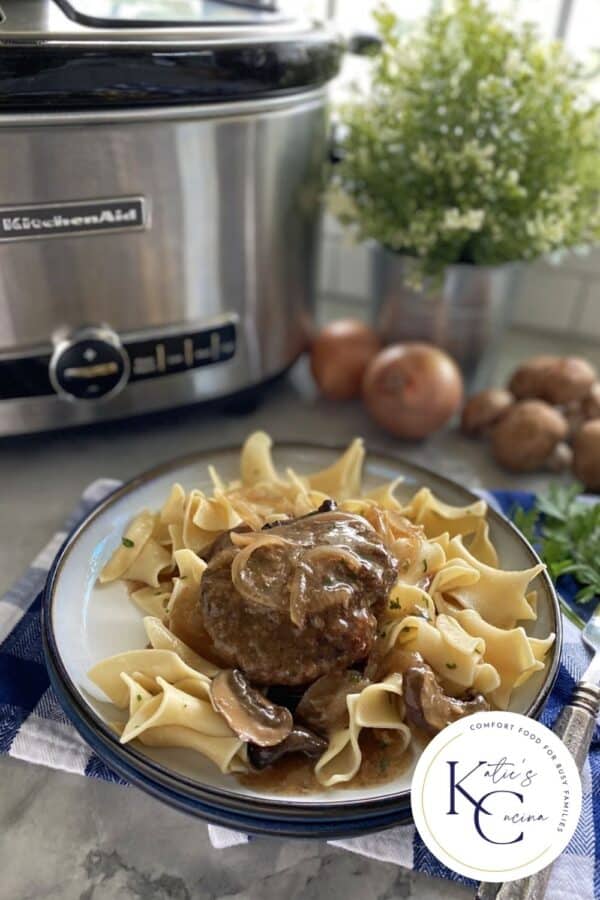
{"x": 474, "y": 149}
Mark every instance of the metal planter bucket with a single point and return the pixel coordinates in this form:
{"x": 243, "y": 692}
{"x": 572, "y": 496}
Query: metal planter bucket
{"x": 465, "y": 312}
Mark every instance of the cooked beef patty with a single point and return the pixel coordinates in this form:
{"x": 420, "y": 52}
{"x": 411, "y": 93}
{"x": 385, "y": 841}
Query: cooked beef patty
{"x": 300, "y": 600}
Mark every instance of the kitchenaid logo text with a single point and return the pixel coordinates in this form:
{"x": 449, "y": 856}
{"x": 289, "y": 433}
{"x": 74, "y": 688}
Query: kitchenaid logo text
{"x": 18, "y": 223}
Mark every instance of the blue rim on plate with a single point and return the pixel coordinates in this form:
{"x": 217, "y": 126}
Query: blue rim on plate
{"x": 218, "y": 805}
{"x": 218, "y": 815}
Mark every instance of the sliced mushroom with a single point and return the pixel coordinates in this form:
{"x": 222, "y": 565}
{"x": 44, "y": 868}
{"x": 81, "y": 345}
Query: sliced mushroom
{"x": 328, "y": 505}
{"x": 428, "y": 707}
{"x": 224, "y": 542}
{"x": 300, "y": 740}
{"x": 381, "y": 664}
{"x": 247, "y": 712}
{"x": 323, "y": 706}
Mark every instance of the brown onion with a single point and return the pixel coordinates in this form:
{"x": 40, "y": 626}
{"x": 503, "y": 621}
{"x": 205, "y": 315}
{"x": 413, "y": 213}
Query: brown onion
{"x": 339, "y": 356}
{"x": 412, "y": 389}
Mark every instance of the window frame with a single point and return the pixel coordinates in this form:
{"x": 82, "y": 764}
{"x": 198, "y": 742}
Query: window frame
{"x": 565, "y": 13}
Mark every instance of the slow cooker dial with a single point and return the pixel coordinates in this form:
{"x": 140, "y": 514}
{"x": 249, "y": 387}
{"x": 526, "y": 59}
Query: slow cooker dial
{"x": 89, "y": 364}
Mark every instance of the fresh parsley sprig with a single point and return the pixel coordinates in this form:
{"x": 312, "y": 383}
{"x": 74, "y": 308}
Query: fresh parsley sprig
{"x": 566, "y": 530}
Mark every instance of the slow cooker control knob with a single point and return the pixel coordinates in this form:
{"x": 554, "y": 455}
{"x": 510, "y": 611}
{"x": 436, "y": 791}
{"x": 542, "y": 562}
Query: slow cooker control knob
{"x": 89, "y": 364}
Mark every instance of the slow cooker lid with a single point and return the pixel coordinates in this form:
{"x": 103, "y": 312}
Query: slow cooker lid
{"x": 86, "y": 54}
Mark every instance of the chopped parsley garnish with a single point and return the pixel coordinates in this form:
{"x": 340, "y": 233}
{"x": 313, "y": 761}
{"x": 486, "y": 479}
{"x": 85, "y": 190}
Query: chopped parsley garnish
{"x": 394, "y": 604}
{"x": 383, "y": 765}
{"x": 127, "y": 542}
{"x": 424, "y": 565}
{"x": 450, "y": 665}
{"x": 566, "y": 531}
{"x": 406, "y": 628}
{"x": 139, "y": 697}
{"x": 354, "y": 676}
{"x": 182, "y": 577}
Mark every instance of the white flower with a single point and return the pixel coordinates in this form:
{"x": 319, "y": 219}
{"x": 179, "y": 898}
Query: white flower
{"x": 470, "y": 220}
{"x": 423, "y": 158}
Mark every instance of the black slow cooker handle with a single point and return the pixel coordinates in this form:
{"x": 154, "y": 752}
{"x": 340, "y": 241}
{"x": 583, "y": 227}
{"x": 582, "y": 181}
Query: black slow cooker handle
{"x": 269, "y": 5}
{"x": 363, "y": 43}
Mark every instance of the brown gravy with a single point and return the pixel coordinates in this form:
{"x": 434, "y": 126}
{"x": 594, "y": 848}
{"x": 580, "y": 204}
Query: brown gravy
{"x": 383, "y": 759}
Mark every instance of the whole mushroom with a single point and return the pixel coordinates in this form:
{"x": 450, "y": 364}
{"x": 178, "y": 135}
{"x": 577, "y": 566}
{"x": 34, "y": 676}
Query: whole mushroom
{"x": 484, "y": 409}
{"x": 560, "y": 459}
{"x": 525, "y": 438}
{"x": 527, "y": 380}
{"x": 586, "y": 454}
{"x": 568, "y": 380}
{"x": 558, "y": 380}
{"x": 590, "y": 405}
{"x": 583, "y": 410}
{"x": 573, "y": 413}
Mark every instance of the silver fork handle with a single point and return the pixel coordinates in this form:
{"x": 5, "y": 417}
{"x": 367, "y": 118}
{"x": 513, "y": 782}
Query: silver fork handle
{"x": 575, "y": 726}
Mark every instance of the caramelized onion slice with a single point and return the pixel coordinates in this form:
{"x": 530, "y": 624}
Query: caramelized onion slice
{"x": 325, "y": 552}
{"x": 241, "y": 576}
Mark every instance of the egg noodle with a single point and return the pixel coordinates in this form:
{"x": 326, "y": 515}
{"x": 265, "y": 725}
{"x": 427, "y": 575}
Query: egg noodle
{"x": 451, "y": 603}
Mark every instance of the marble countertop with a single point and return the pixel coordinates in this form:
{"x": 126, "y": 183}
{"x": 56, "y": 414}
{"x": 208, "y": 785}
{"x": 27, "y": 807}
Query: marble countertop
{"x": 70, "y": 837}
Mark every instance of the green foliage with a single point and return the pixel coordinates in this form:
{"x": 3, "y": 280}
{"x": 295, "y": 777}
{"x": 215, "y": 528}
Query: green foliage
{"x": 476, "y": 143}
{"x": 568, "y": 533}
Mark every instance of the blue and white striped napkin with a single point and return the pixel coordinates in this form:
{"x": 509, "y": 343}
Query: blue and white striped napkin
{"x": 33, "y": 726}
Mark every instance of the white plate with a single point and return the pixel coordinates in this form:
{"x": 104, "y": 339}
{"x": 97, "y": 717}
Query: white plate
{"x": 86, "y": 622}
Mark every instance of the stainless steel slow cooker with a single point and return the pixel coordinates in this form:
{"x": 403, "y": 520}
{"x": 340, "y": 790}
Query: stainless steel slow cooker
{"x": 161, "y": 169}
